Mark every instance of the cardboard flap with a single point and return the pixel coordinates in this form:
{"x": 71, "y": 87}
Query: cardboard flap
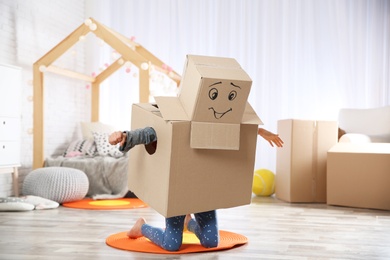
{"x": 148, "y": 106}
{"x": 215, "y": 136}
{"x": 250, "y": 116}
{"x": 171, "y": 108}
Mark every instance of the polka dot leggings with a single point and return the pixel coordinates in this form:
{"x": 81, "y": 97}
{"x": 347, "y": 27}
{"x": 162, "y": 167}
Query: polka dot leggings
{"x": 204, "y": 226}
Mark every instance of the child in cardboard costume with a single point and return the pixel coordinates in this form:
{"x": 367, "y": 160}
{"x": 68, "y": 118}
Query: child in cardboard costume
{"x": 199, "y": 151}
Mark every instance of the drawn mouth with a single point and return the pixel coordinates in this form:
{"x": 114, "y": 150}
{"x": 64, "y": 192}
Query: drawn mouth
{"x": 219, "y": 115}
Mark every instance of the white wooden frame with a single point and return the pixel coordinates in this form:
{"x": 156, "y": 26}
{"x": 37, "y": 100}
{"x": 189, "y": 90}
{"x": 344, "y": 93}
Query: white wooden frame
{"x": 129, "y": 51}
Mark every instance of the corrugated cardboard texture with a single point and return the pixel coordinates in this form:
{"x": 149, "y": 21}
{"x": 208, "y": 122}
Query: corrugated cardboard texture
{"x": 229, "y": 105}
{"x": 301, "y": 164}
{"x": 171, "y": 108}
{"x": 217, "y": 136}
{"x": 250, "y": 116}
{"x": 201, "y": 73}
{"x": 178, "y": 180}
{"x": 358, "y": 175}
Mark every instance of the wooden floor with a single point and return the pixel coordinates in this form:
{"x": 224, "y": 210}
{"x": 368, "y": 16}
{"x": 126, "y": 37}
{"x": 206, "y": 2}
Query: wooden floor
{"x": 275, "y": 229}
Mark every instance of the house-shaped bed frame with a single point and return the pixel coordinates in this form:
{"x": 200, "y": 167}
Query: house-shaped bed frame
{"x": 125, "y": 47}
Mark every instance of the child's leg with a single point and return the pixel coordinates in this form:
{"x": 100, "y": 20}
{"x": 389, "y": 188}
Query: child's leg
{"x": 169, "y": 239}
{"x": 205, "y": 227}
{"x": 135, "y": 231}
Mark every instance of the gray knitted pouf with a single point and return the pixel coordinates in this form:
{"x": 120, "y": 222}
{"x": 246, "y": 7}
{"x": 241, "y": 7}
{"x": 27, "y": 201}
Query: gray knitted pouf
{"x": 60, "y": 184}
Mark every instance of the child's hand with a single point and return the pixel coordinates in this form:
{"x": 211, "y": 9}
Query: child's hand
{"x": 270, "y": 137}
{"x": 116, "y": 138}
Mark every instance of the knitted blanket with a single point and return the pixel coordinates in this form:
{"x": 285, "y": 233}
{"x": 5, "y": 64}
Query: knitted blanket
{"x": 107, "y": 175}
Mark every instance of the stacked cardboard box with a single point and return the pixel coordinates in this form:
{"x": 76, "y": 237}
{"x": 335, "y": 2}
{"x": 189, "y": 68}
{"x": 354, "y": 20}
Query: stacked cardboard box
{"x": 301, "y": 163}
{"x": 359, "y": 175}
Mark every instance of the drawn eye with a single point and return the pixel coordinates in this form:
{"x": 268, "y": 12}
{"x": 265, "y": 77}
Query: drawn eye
{"x": 213, "y": 93}
{"x": 232, "y": 95}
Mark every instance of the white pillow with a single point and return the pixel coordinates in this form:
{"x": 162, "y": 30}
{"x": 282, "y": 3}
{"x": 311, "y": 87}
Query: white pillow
{"x": 80, "y": 148}
{"x": 88, "y": 127}
{"x": 354, "y": 138}
{"x": 104, "y": 148}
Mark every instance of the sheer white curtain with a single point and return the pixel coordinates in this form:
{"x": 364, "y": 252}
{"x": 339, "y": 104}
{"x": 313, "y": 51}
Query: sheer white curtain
{"x": 307, "y": 59}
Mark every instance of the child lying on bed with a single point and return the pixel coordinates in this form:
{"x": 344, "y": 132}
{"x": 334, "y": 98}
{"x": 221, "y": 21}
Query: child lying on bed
{"x": 204, "y": 225}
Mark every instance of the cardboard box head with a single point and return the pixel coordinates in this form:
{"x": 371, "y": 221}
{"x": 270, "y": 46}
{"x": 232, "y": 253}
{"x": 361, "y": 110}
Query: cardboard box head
{"x": 213, "y": 96}
{"x": 214, "y": 89}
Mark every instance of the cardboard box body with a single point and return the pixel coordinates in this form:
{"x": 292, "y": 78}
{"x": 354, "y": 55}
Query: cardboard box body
{"x": 359, "y": 175}
{"x": 177, "y": 179}
{"x": 301, "y": 163}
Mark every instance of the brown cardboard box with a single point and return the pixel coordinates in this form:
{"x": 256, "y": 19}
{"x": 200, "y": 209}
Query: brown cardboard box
{"x": 359, "y": 175}
{"x": 206, "y": 142}
{"x": 301, "y": 163}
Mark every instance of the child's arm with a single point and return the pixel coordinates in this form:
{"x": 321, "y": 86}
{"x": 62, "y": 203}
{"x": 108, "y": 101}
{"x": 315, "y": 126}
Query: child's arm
{"x": 117, "y": 137}
{"x": 270, "y": 137}
{"x": 128, "y": 139}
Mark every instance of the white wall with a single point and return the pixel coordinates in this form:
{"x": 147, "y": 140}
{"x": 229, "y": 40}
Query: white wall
{"x": 28, "y": 30}
{"x": 307, "y": 59}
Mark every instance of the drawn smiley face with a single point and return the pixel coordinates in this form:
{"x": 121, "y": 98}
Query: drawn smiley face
{"x": 219, "y": 93}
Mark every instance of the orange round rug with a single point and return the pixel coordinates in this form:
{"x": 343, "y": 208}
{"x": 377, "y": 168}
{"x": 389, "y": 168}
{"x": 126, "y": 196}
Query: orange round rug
{"x": 125, "y": 203}
{"x": 190, "y": 244}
